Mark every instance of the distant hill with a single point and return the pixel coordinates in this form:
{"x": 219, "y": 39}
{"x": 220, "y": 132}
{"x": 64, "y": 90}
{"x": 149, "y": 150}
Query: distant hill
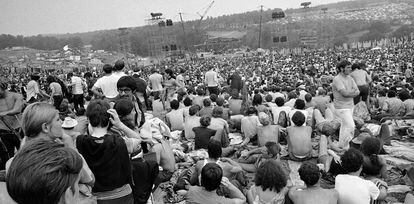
{"x": 342, "y": 22}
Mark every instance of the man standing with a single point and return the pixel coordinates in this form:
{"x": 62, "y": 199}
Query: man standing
{"x": 141, "y": 88}
{"x": 105, "y": 87}
{"x": 235, "y": 81}
{"x": 155, "y": 81}
{"x": 211, "y": 79}
{"x": 117, "y": 70}
{"x": 344, "y": 90}
{"x": 362, "y": 80}
{"x": 181, "y": 81}
{"x": 77, "y": 85}
{"x": 11, "y": 105}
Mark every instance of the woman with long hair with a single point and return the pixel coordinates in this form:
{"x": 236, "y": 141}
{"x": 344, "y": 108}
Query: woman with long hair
{"x": 270, "y": 184}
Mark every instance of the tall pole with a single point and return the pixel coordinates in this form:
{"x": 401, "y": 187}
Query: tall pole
{"x": 185, "y": 36}
{"x": 260, "y": 25}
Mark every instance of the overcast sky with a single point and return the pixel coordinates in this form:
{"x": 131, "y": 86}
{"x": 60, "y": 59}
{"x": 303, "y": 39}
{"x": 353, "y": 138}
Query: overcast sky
{"x": 32, "y": 17}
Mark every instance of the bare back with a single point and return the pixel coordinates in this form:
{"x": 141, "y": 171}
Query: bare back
{"x": 166, "y": 155}
{"x": 315, "y": 196}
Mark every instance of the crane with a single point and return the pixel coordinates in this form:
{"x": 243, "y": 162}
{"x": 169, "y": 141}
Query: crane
{"x": 204, "y": 14}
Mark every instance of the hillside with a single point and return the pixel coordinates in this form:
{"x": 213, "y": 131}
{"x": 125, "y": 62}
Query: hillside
{"x": 342, "y": 22}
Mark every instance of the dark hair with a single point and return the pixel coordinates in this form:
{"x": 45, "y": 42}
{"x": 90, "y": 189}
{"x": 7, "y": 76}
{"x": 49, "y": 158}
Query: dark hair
{"x": 342, "y": 64}
{"x": 270, "y": 175}
{"x": 50, "y": 79}
{"x": 280, "y": 101}
{"x": 382, "y": 92}
{"x": 87, "y": 74}
{"x": 207, "y": 102}
{"x": 298, "y": 118}
{"x": 123, "y": 107}
{"x": 107, "y": 68}
{"x": 371, "y": 147}
{"x": 268, "y": 98}
{"x": 174, "y": 104}
{"x": 404, "y": 95}
{"x": 300, "y": 104}
{"x": 391, "y": 93}
{"x": 352, "y": 160}
{"x": 81, "y": 111}
{"x": 220, "y": 101}
{"x": 217, "y": 112}
{"x": 200, "y": 92}
{"x": 170, "y": 72}
{"x": 193, "y": 110}
{"x": 119, "y": 65}
{"x": 42, "y": 171}
{"x": 205, "y": 121}
{"x": 292, "y": 95}
{"x": 127, "y": 81}
{"x": 213, "y": 97}
{"x": 97, "y": 113}
{"x": 308, "y": 97}
{"x": 309, "y": 173}
{"x": 355, "y": 66}
{"x": 251, "y": 110}
{"x": 187, "y": 101}
{"x": 211, "y": 176}
{"x": 257, "y": 100}
{"x": 214, "y": 149}
{"x": 272, "y": 148}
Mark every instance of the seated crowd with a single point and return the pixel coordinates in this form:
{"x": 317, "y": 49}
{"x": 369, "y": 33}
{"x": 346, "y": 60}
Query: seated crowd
{"x": 121, "y": 148}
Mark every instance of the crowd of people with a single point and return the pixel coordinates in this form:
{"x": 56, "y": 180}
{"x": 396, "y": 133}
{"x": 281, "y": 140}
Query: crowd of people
{"x": 117, "y": 134}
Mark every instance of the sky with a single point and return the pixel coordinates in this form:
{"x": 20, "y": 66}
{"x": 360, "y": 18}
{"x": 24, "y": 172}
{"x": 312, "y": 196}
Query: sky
{"x": 32, "y": 17}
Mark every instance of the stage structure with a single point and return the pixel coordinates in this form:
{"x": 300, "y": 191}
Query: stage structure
{"x": 162, "y": 38}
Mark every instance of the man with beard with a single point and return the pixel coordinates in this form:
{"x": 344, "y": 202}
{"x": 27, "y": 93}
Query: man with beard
{"x": 127, "y": 89}
{"x": 11, "y": 104}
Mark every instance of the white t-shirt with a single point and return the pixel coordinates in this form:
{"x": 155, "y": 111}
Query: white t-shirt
{"x": 108, "y": 85}
{"x": 32, "y": 89}
{"x": 211, "y": 79}
{"x": 156, "y": 80}
{"x": 78, "y": 84}
{"x": 355, "y": 190}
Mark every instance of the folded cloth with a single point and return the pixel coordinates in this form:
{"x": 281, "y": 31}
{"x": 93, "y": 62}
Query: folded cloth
{"x": 154, "y": 130}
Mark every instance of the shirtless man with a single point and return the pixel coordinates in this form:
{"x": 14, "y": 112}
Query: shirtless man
{"x": 165, "y": 158}
{"x": 312, "y": 193}
{"x": 299, "y": 138}
{"x": 10, "y": 105}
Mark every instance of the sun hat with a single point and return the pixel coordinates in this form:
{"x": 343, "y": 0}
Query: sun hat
{"x": 69, "y": 123}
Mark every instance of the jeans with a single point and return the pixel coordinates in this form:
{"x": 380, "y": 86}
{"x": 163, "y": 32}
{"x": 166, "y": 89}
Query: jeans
{"x": 346, "y": 132}
{"x": 78, "y": 101}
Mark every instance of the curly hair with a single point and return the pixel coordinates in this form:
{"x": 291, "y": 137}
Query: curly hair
{"x": 309, "y": 173}
{"x": 371, "y": 147}
{"x": 352, "y": 160}
{"x": 257, "y": 100}
{"x": 271, "y": 175}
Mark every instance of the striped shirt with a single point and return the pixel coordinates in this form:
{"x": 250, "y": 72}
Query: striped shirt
{"x": 77, "y": 87}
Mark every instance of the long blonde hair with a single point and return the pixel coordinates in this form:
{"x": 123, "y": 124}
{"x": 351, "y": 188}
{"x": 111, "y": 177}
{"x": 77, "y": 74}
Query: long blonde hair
{"x": 34, "y": 116}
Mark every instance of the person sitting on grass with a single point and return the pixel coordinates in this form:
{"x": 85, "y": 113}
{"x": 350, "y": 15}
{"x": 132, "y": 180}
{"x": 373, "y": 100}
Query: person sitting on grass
{"x": 351, "y": 187}
{"x": 312, "y": 193}
{"x": 203, "y": 134}
{"x": 271, "y": 151}
{"x": 270, "y": 184}
{"x": 175, "y": 118}
{"x": 211, "y": 178}
{"x": 299, "y": 138}
{"x": 267, "y": 132}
